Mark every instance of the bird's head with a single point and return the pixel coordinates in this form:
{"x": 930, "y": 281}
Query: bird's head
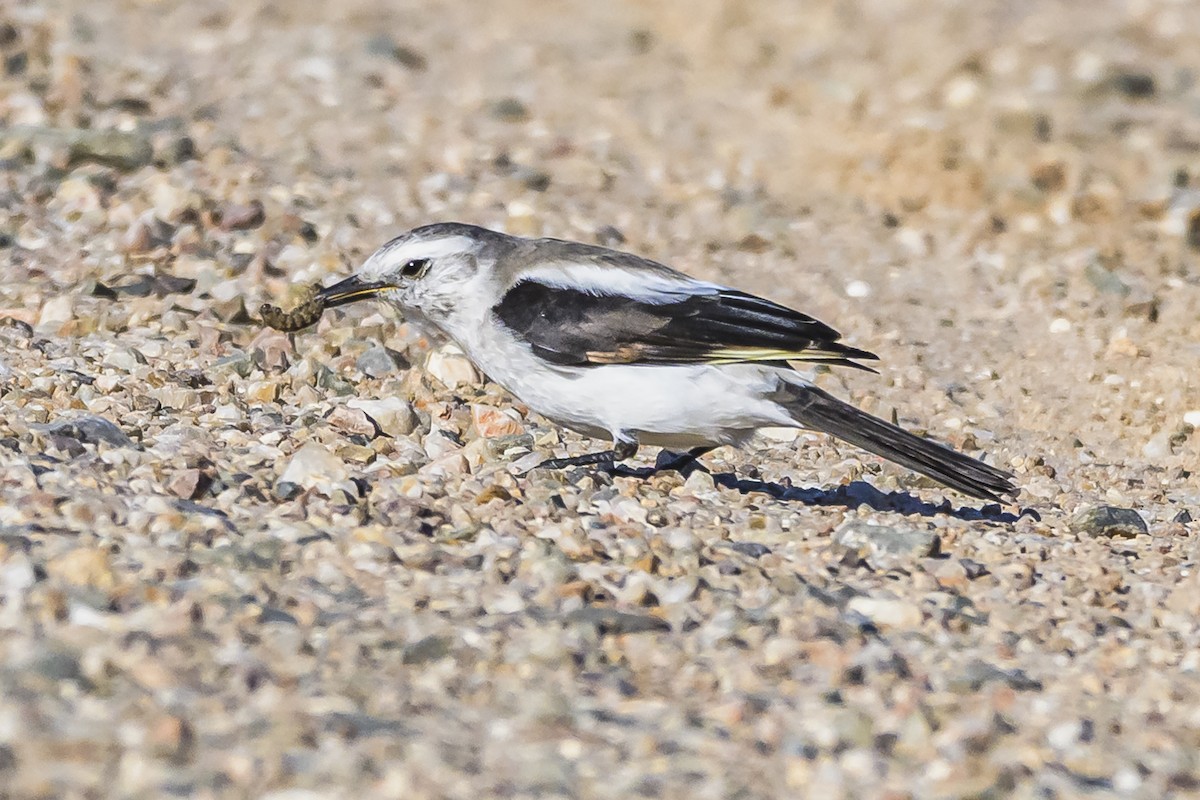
{"x": 425, "y": 272}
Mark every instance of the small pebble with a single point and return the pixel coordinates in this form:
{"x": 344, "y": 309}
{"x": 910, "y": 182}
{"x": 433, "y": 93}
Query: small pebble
{"x": 376, "y": 362}
{"x": 886, "y": 612}
{"x": 491, "y": 422}
{"x": 394, "y": 415}
{"x": 313, "y": 466}
{"x": 510, "y": 109}
{"x": 1109, "y": 521}
{"x": 611, "y": 621}
{"x": 885, "y": 547}
{"x": 240, "y": 217}
{"x": 451, "y": 367}
{"x": 858, "y": 289}
{"x": 90, "y": 430}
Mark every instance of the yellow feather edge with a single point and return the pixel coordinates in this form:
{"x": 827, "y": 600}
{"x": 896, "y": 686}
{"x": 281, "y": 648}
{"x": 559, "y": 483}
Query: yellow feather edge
{"x": 733, "y": 356}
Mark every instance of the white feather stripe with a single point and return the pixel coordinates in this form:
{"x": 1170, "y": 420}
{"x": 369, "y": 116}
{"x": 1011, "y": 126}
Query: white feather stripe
{"x": 392, "y": 256}
{"x": 647, "y": 286}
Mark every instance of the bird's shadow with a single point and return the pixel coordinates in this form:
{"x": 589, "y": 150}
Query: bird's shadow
{"x": 851, "y": 495}
{"x": 861, "y": 493}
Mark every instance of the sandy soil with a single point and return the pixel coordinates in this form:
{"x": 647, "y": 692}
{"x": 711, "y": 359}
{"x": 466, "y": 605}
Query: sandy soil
{"x": 234, "y": 562}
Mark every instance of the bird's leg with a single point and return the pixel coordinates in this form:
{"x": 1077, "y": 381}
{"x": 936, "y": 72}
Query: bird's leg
{"x": 681, "y": 462}
{"x": 620, "y": 451}
{"x": 584, "y": 460}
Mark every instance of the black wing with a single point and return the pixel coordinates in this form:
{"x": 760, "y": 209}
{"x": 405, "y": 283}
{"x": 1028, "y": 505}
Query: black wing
{"x": 570, "y": 326}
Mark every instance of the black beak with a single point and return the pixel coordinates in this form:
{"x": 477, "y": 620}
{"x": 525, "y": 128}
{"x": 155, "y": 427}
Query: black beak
{"x": 350, "y": 290}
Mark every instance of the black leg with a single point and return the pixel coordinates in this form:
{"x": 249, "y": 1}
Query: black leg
{"x": 620, "y": 452}
{"x": 681, "y": 462}
{"x": 585, "y": 460}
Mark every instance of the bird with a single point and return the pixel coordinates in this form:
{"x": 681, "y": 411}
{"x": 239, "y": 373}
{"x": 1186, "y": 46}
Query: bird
{"x": 630, "y": 351}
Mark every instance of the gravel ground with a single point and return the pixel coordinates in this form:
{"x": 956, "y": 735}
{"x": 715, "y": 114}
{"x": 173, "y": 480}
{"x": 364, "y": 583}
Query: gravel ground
{"x": 235, "y": 562}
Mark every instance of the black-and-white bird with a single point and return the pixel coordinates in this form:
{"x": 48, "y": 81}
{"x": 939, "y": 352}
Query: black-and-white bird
{"x": 625, "y": 349}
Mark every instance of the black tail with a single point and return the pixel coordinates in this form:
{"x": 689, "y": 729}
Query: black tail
{"x": 814, "y": 409}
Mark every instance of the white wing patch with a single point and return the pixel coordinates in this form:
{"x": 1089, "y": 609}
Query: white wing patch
{"x": 643, "y": 285}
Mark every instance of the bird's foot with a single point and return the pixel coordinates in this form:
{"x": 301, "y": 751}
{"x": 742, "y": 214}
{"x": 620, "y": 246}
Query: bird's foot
{"x": 605, "y": 459}
{"x": 683, "y": 463}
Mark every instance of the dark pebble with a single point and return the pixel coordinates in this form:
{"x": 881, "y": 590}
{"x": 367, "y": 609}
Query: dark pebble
{"x": 382, "y": 44}
{"x": 750, "y": 549}
{"x": 117, "y": 149}
{"x": 16, "y": 64}
{"x": 1109, "y": 521}
{"x": 58, "y": 665}
{"x": 376, "y": 362}
{"x": 409, "y": 58}
{"x": 641, "y": 41}
{"x": 177, "y": 151}
{"x": 431, "y": 648}
{"x": 269, "y": 614}
{"x": 979, "y": 673}
{"x": 1193, "y": 230}
{"x": 165, "y": 284}
{"x": 612, "y": 621}
{"x": 90, "y": 430}
{"x": 608, "y": 236}
{"x": 98, "y": 289}
{"x": 973, "y": 568}
{"x": 235, "y": 217}
{"x": 138, "y": 286}
{"x": 510, "y": 109}
{"x": 233, "y": 311}
{"x": 8, "y": 759}
{"x": 286, "y": 490}
{"x": 537, "y": 180}
{"x": 1134, "y": 84}
{"x": 1104, "y": 279}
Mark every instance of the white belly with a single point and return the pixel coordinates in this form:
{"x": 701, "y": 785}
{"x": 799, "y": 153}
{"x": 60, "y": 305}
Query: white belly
{"x": 667, "y": 406}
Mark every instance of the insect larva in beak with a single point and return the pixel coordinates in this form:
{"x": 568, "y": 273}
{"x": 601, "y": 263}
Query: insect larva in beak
{"x": 306, "y": 313}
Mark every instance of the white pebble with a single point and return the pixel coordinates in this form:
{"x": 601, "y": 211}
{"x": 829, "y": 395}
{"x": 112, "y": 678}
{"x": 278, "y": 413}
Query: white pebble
{"x": 887, "y": 612}
{"x": 312, "y": 465}
{"x": 1089, "y": 67}
{"x": 858, "y": 288}
{"x": 394, "y": 415}
{"x": 1063, "y": 735}
{"x": 961, "y": 92}
{"x": 57, "y": 310}
{"x": 914, "y": 241}
{"x": 779, "y": 434}
{"x": 1159, "y": 446}
{"x": 451, "y": 367}
{"x": 1060, "y": 325}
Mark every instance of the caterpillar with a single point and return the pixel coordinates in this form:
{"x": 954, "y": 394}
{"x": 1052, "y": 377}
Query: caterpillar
{"x": 306, "y": 312}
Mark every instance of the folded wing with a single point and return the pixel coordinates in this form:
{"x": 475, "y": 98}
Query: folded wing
{"x": 710, "y": 325}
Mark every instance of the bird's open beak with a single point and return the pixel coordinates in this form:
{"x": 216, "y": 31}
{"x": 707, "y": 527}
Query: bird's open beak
{"x": 350, "y": 290}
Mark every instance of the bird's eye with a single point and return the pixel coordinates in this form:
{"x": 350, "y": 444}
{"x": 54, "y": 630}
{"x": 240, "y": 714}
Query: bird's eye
{"x": 415, "y": 268}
